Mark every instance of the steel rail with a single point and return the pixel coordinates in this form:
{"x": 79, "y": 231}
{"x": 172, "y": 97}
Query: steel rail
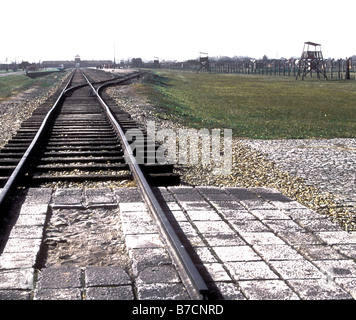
{"x": 16, "y": 174}
{"x": 194, "y": 281}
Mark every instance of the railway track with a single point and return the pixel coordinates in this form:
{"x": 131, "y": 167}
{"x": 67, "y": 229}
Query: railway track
{"x": 80, "y": 136}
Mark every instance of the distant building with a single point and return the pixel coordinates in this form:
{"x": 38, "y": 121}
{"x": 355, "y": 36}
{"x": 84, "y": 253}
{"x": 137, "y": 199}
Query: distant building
{"x": 76, "y": 63}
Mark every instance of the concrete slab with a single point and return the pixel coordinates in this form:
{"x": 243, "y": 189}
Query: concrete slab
{"x": 68, "y": 198}
{"x": 58, "y": 294}
{"x": 319, "y": 289}
{"x": 109, "y": 293}
{"x": 59, "y": 278}
{"x": 162, "y": 291}
{"x": 15, "y": 279}
{"x": 267, "y": 290}
{"x": 99, "y": 197}
{"x": 106, "y": 276}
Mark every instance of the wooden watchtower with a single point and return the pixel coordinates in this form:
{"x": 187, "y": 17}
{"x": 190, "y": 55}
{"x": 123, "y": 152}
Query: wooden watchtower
{"x": 203, "y": 62}
{"x": 311, "y": 60}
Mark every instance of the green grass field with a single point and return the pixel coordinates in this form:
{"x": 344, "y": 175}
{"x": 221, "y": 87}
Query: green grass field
{"x": 12, "y": 84}
{"x": 259, "y": 107}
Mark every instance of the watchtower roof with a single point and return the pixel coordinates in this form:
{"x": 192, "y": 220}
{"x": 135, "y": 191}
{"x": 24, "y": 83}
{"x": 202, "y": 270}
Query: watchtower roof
{"x": 312, "y": 43}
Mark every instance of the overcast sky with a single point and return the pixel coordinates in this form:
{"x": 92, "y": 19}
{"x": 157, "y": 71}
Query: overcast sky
{"x": 37, "y": 30}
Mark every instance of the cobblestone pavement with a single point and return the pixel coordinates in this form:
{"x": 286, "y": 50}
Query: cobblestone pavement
{"x": 328, "y": 164}
{"x": 250, "y": 243}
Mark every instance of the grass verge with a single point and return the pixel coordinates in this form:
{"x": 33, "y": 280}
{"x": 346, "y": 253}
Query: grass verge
{"x": 13, "y": 84}
{"x": 258, "y": 107}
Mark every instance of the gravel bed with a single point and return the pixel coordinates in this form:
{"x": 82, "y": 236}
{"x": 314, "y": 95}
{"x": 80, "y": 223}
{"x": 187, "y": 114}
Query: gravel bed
{"x": 297, "y": 170}
{"x": 85, "y": 237}
{"x": 18, "y": 108}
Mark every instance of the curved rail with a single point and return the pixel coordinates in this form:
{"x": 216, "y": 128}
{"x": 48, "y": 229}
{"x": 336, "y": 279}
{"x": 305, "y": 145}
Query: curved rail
{"x": 194, "y": 281}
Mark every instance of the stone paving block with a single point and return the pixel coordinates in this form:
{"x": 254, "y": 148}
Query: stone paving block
{"x": 58, "y": 294}
{"x": 135, "y": 216}
{"x": 162, "y": 291}
{"x": 338, "y": 268}
{"x": 139, "y": 227}
{"x": 164, "y": 196}
{"x": 277, "y": 252}
{"x": 319, "y": 289}
{"x": 178, "y": 215}
{"x": 300, "y": 238}
{"x": 224, "y": 239}
{"x": 270, "y": 194}
{"x": 302, "y": 213}
{"x": 99, "y": 197}
{"x": 284, "y": 226}
{"x": 240, "y": 193}
{"x": 132, "y": 207}
{"x": 319, "y": 225}
{"x": 278, "y": 199}
{"x": 201, "y": 205}
{"x": 15, "y": 295}
{"x": 259, "y": 238}
{"x": 348, "y": 284}
{"x": 59, "y": 278}
{"x": 219, "y": 197}
{"x": 16, "y": 245}
{"x": 269, "y": 214}
{"x": 148, "y": 257}
{"x": 109, "y": 293}
{"x": 188, "y": 197}
{"x": 236, "y": 253}
{"x": 230, "y": 291}
{"x": 106, "y": 276}
{"x": 27, "y": 232}
{"x": 143, "y": 241}
{"x": 38, "y": 196}
{"x": 31, "y": 220}
{"x": 17, "y": 260}
{"x": 268, "y": 290}
{"x": 287, "y": 205}
{"x": 203, "y": 215}
{"x": 172, "y": 206}
{"x": 212, "y": 227}
{"x": 236, "y": 214}
{"x": 181, "y": 189}
{"x": 158, "y": 274}
{"x": 205, "y": 255}
{"x": 64, "y": 198}
{"x": 128, "y": 195}
{"x": 17, "y": 279}
{"x": 337, "y": 237}
{"x": 192, "y": 240}
{"x": 320, "y": 252}
{"x": 210, "y": 190}
{"x": 348, "y": 250}
{"x": 34, "y": 209}
{"x": 297, "y": 269}
{"x": 250, "y": 270}
{"x": 215, "y": 271}
{"x": 228, "y": 205}
{"x": 249, "y": 226}
{"x": 248, "y": 199}
{"x": 186, "y": 228}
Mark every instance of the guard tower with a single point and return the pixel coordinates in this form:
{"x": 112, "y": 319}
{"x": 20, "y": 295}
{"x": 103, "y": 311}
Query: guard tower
{"x": 203, "y": 62}
{"x": 77, "y": 61}
{"x": 311, "y": 60}
{"x": 156, "y": 64}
